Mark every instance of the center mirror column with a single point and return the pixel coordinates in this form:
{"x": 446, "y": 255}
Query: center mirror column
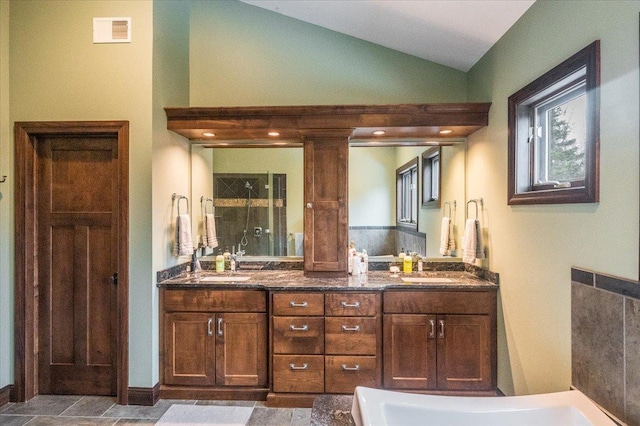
{"x": 326, "y": 218}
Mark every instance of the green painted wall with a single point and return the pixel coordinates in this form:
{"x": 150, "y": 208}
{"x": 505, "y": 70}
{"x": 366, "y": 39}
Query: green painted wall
{"x": 57, "y": 73}
{"x": 242, "y": 55}
{"x": 534, "y": 247}
{"x": 6, "y": 207}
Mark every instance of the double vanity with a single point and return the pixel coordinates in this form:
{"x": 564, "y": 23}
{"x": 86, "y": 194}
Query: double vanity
{"x": 285, "y": 337}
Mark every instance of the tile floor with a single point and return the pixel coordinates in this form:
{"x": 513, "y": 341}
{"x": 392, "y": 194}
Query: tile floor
{"x": 50, "y": 410}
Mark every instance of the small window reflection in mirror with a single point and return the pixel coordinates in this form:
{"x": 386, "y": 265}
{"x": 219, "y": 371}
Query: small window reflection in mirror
{"x": 407, "y": 195}
{"x": 431, "y": 178}
{"x": 554, "y": 134}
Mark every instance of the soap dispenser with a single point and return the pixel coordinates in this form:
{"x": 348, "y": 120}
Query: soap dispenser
{"x": 219, "y": 262}
{"x": 195, "y": 263}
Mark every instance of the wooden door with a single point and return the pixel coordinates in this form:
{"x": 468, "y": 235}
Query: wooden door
{"x": 464, "y": 352}
{"x": 241, "y": 349}
{"x": 189, "y": 347}
{"x": 326, "y": 227}
{"x": 77, "y": 245}
{"x": 409, "y": 351}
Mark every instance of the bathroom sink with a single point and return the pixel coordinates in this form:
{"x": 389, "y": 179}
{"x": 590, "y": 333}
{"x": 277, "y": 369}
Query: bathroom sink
{"x": 426, "y": 280}
{"x": 224, "y": 278}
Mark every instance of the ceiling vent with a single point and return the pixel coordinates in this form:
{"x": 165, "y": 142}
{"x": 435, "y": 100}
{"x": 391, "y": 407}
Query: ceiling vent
{"x": 112, "y": 30}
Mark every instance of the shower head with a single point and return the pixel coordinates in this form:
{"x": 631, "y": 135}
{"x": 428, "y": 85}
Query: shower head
{"x": 248, "y": 186}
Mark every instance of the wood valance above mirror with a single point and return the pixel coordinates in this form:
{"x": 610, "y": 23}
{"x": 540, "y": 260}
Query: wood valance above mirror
{"x": 294, "y": 124}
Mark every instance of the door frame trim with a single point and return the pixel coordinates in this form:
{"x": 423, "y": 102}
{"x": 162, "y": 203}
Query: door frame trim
{"x": 26, "y": 136}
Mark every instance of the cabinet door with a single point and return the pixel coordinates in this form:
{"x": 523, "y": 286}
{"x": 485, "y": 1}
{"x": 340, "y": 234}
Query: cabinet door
{"x": 241, "y": 349}
{"x": 325, "y": 218}
{"x": 464, "y": 352}
{"x": 189, "y": 349}
{"x": 409, "y": 351}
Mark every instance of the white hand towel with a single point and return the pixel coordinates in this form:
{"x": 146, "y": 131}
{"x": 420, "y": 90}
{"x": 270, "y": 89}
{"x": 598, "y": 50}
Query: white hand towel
{"x": 479, "y": 246}
{"x": 470, "y": 241}
{"x": 452, "y": 241}
{"x": 183, "y": 244}
{"x": 210, "y": 231}
{"x": 445, "y": 228}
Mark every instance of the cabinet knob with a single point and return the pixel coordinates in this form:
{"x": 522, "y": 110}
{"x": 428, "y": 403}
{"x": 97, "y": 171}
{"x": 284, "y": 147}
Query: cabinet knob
{"x": 309, "y": 205}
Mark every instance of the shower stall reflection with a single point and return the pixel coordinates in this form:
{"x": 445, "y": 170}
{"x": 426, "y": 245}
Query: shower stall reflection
{"x": 251, "y": 214}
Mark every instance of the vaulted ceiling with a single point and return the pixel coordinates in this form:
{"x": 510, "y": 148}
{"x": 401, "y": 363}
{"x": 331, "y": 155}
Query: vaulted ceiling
{"x": 456, "y": 33}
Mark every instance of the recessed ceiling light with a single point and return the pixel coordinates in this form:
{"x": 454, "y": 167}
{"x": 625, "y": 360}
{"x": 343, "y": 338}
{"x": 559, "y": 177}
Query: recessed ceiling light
{"x": 208, "y": 134}
{"x": 379, "y": 132}
{"x": 274, "y": 134}
{"x": 446, "y": 132}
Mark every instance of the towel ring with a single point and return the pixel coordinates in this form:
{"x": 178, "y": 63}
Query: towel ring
{"x": 204, "y": 202}
{"x": 180, "y": 197}
{"x": 475, "y": 201}
{"x": 451, "y": 209}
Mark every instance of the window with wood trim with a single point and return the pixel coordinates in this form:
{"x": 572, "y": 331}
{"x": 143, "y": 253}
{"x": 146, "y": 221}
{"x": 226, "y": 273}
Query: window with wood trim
{"x": 407, "y": 195}
{"x": 431, "y": 177}
{"x": 554, "y": 134}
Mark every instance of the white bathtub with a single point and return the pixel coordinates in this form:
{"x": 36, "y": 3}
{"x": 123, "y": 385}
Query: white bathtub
{"x": 379, "y": 407}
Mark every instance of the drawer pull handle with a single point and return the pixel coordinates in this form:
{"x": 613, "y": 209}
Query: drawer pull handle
{"x": 345, "y": 367}
{"x": 295, "y": 367}
{"x": 209, "y": 331}
{"x": 441, "y": 322}
{"x": 220, "y": 326}
{"x": 432, "y": 332}
{"x": 350, "y": 305}
{"x": 347, "y": 328}
{"x": 303, "y": 328}
{"x": 298, "y": 305}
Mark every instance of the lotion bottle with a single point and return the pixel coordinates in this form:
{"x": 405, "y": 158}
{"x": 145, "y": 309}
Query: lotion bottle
{"x": 219, "y": 262}
{"x": 407, "y": 265}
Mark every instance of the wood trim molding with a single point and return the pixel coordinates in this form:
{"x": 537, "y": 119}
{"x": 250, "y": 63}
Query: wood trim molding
{"x": 5, "y": 394}
{"x": 26, "y": 136}
{"x": 295, "y": 123}
{"x": 144, "y": 396}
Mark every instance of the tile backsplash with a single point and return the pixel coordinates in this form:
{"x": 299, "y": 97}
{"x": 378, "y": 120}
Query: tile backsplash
{"x": 605, "y": 342}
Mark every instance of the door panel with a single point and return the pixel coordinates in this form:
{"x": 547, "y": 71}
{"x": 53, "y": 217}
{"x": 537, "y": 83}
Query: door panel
{"x": 409, "y": 351}
{"x": 77, "y": 196}
{"x": 241, "y": 349}
{"x": 464, "y": 352}
{"x": 189, "y": 349}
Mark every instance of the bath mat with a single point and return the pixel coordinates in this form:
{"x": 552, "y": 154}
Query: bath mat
{"x": 197, "y": 415}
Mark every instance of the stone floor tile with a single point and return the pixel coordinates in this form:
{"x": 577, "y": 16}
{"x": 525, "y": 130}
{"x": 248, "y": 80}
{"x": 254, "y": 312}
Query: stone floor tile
{"x": 270, "y": 417}
{"x": 301, "y": 417}
{"x": 90, "y": 406}
{"x": 7, "y": 420}
{"x": 44, "y": 405}
{"x": 70, "y": 421}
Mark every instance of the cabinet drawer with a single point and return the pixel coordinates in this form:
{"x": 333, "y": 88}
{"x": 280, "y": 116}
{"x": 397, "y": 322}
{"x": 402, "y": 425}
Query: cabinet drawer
{"x": 215, "y": 300}
{"x": 344, "y": 373}
{"x": 352, "y": 304}
{"x": 298, "y": 335}
{"x": 351, "y": 335}
{"x": 303, "y": 373}
{"x": 298, "y": 304}
{"x": 440, "y": 302}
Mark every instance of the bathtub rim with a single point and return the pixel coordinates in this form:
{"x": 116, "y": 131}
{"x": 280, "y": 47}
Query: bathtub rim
{"x": 368, "y": 403}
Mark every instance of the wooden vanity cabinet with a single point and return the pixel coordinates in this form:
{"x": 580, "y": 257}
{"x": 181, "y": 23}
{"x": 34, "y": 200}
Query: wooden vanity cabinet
{"x": 212, "y": 341}
{"x": 323, "y": 343}
{"x": 440, "y": 340}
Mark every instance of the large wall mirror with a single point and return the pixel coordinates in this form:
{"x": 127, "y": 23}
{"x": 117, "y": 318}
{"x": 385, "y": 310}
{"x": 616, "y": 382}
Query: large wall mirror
{"x": 258, "y": 198}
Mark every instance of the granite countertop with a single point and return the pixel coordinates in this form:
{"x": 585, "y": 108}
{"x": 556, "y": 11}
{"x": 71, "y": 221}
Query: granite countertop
{"x": 294, "y": 280}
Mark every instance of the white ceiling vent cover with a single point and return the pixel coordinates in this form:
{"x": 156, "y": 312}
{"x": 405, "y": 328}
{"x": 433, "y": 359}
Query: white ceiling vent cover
{"x": 112, "y": 30}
